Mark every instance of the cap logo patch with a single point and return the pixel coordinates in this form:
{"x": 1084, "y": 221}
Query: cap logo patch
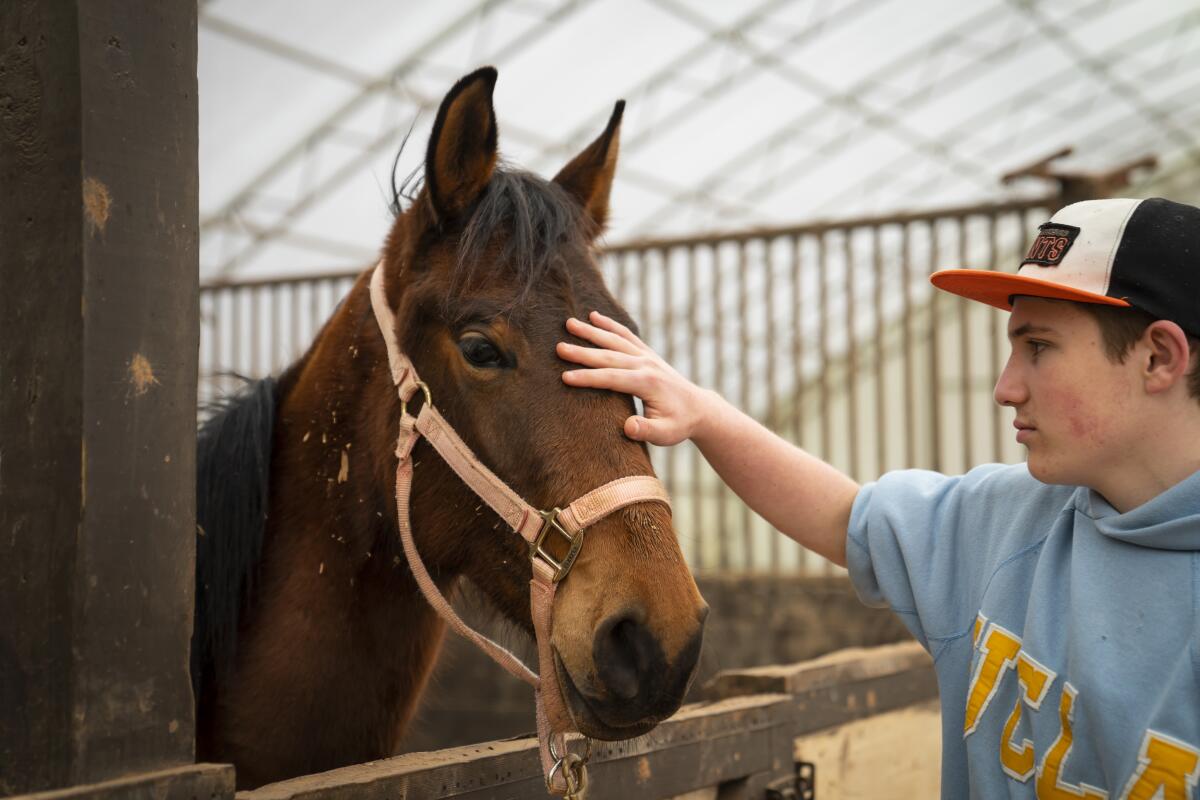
{"x": 1052, "y": 243}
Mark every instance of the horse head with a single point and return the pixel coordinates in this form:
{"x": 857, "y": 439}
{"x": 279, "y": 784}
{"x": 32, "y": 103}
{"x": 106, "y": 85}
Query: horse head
{"x": 481, "y": 271}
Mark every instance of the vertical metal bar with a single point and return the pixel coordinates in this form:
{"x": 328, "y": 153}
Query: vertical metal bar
{"x": 205, "y": 361}
{"x": 219, "y": 321}
{"x": 995, "y": 342}
{"x": 235, "y": 334}
{"x": 273, "y": 347}
{"x": 797, "y": 351}
{"x": 823, "y": 344}
{"x": 668, "y": 285}
{"x": 719, "y": 385}
{"x": 797, "y": 345}
{"x": 964, "y": 322}
{"x": 330, "y": 298}
{"x": 743, "y": 284}
{"x": 852, "y": 356}
{"x": 880, "y": 394}
{"x": 910, "y": 393}
{"x": 769, "y": 346}
{"x": 643, "y": 276}
{"x": 935, "y": 356}
{"x": 692, "y": 296}
{"x": 769, "y": 342}
{"x": 314, "y": 309}
{"x": 254, "y": 296}
{"x": 294, "y": 346}
{"x": 327, "y": 302}
{"x": 671, "y": 462}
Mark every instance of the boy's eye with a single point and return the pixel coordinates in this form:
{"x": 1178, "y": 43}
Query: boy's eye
{"x": 480, "y": 352}
{"x": 1036, "y": 347}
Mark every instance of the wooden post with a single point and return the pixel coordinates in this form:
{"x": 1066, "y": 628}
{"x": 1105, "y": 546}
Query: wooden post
{"x": 98, "y": 350}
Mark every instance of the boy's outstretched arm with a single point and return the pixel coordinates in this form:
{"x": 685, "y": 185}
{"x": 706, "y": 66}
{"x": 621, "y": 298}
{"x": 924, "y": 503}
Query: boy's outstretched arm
{"x": 800, "y": 495}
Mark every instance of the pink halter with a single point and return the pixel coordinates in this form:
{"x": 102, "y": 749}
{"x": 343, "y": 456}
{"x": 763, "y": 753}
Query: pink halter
{"x": 565, "y": 772}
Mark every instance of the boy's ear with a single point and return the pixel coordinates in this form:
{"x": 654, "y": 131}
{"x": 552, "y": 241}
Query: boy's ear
{"x": 462, "y": 146}
{"x": 1168, "y": 355}
{"x": 589, "y": 176}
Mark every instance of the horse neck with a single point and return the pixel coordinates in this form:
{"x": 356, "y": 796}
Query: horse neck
{"x": 335, "y": 541}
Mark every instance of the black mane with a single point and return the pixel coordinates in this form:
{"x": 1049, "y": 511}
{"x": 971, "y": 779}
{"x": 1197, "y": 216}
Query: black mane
{"x": 233, "y": 467}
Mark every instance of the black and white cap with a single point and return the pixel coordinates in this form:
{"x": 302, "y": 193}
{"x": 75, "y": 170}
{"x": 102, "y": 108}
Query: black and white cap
{"x": 1119, "y": 252}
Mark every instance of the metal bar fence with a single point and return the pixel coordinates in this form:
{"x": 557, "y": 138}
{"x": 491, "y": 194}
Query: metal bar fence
{"x": 828, "y": 333}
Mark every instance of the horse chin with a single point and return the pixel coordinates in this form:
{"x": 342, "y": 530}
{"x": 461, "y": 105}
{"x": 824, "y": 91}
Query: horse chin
{"x": 588, "y": 720}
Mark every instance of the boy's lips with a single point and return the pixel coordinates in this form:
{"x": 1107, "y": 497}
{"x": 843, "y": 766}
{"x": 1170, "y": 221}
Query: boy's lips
{"x": 1024, "y": 430}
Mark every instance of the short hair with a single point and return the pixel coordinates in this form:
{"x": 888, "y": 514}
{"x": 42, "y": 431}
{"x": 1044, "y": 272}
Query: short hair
{"x": 1121, "y": 326}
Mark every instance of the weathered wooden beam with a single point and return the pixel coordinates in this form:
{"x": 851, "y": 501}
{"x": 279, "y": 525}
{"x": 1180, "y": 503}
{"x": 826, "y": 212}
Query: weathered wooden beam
{"x": 703, "y": 745}
{"x": 98, "y": 353}
{"x": 835, "y": 669}
{"x": 190, "y": 782}
{"x": 840, "y": 687}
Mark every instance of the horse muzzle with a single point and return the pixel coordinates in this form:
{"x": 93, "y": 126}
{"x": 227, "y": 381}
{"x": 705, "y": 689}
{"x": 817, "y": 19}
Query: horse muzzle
{"x": 632, "y": 685}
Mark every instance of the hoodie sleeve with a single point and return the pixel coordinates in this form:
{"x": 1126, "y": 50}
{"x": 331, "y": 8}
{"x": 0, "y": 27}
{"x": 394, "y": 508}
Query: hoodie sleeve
{"x": 915, "y": 545}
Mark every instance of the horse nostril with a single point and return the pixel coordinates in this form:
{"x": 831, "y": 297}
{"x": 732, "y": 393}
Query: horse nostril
{"x": 624, "y": 651}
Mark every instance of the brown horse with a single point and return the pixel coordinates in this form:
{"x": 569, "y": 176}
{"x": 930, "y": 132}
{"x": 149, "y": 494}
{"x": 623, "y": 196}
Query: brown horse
{"x": 312, "y": 644}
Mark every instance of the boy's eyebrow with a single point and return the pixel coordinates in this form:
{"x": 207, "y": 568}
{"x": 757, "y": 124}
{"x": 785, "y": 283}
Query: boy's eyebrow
{"x": 1027, "y": 329}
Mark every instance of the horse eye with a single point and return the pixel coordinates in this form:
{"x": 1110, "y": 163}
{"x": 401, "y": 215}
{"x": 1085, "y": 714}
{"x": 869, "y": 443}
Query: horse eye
{"x": 480, "y": 352}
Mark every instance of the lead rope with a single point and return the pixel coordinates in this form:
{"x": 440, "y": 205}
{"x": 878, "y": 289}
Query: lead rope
{"x": 565, "y": 772}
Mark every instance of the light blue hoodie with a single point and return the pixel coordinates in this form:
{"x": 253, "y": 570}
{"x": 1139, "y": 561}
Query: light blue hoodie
{"x": 1022, "y": 589}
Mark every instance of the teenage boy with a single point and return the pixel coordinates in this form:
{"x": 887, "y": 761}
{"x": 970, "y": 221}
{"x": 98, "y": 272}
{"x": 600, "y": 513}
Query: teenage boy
{"x": 1060, "y": 598}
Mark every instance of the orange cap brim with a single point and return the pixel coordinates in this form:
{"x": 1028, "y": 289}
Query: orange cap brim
{"x": 997, "y": 288}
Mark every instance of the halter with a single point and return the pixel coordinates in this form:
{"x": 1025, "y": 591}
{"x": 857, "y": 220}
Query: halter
{"x": 565, "y": 772}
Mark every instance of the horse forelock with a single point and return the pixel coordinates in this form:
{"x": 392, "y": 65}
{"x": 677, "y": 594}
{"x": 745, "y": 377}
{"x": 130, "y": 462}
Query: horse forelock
{"x": 522, "y": 230}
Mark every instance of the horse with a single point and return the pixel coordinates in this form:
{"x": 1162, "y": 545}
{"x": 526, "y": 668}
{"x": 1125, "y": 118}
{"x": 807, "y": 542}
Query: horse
{"x": 312, "y": 643}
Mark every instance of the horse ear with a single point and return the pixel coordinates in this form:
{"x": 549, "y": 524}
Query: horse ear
{"x": 462, "y": 146}
{"x": 589, "y": 176}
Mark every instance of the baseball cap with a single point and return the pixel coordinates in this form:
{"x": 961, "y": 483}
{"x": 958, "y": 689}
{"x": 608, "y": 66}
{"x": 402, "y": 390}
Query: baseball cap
{"x": 1118, "y": 252}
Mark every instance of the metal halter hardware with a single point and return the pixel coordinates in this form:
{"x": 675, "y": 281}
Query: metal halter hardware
{"x": 537, "y": 549}
{"x": 573, "y": 768}
{"x": 428, "y": 398}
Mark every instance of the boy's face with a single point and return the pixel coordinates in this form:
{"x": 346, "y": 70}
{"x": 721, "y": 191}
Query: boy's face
{"x": 1076, "y": 411}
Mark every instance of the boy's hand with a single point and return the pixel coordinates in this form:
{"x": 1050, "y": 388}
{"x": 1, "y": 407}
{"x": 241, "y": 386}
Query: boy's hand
{"x": 675, "y": 407}
{"x": 800, "y": 495}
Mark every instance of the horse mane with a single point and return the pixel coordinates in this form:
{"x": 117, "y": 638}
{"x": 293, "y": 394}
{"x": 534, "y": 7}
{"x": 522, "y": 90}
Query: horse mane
{"x": 233, "y": 467}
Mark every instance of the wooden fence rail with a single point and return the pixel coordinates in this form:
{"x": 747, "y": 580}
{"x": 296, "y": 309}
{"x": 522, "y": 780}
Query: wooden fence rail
{"x": 740, "y": 744}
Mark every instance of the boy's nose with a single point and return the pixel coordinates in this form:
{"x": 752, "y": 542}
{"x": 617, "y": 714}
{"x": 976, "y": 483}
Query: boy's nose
{"x": 1009, "y": 390}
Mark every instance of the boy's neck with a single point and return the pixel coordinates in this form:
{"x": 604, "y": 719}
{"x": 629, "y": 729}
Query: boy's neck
{"x": 1168, "y": 454}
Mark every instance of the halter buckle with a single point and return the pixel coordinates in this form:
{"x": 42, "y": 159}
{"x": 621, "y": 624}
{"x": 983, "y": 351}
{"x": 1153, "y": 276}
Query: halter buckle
{"x": 537, "y": 549}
